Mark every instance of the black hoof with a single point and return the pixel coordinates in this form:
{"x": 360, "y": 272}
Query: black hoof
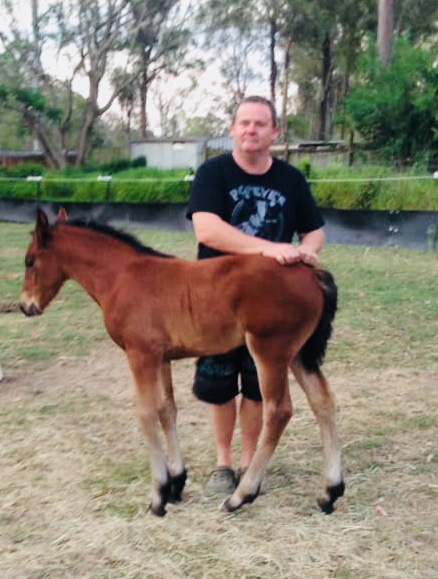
{"x": 177, "y": 484}
{"x": 227, "y": 507}
{"x": 158, "y": 511}
{"x": 327, "y": 506}
{"x": 251, "y": 498}
{"x": 248, "y": 499}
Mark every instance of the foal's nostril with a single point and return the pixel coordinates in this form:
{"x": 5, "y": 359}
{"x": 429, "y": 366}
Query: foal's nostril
{"x": 31, "y": 310}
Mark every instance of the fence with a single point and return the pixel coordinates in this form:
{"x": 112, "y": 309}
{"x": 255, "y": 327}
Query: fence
{"x": 107, "y": 181}
{"x": 414, "y": 229}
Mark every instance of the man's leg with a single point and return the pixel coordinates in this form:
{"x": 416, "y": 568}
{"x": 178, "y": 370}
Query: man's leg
{"x": 216, "y": 383}
{"x": 223, "y": 417}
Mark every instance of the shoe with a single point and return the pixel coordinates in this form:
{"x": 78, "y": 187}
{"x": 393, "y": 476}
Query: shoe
{"x": 265, "y": 487}
{"x": 222, "y": 481}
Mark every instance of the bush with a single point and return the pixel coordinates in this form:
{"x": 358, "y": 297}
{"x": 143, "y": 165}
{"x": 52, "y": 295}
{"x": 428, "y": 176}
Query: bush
{"x": 351, "y": 190}
{"x": 22, "y": 170}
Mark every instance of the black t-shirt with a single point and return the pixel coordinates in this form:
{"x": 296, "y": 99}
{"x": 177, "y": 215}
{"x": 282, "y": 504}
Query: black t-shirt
{"x": 272, "y": 206}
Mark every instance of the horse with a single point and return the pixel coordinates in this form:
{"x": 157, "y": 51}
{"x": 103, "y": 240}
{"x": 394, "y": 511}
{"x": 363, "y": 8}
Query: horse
{"x": 160, "y": 308}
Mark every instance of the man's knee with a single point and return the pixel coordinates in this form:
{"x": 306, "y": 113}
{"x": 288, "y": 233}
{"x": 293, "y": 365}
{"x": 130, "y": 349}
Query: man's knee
{"x": 215, "y": 391}
{"x": 216, "y": 379}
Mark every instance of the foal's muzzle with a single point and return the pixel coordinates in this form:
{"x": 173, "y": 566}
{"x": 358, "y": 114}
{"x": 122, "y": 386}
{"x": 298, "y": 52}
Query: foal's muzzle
{"x": 30, "y": 309}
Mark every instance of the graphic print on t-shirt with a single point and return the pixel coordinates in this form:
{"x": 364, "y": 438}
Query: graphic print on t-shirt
{"x": 258, "y": 211}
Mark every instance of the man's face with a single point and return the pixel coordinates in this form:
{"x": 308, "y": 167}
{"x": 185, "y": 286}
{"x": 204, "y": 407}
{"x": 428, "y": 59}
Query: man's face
{"x": 253, "y": 130}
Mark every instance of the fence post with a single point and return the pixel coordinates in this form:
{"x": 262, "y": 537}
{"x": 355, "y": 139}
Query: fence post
{"x": 106, "y": 179}
{"x": 36, "y": 179}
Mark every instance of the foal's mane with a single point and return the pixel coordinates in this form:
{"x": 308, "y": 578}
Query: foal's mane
{"x": 118, "y": 234}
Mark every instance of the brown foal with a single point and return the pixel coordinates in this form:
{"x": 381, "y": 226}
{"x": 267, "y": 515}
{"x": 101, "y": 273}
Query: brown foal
{"x": 158, "y": 308}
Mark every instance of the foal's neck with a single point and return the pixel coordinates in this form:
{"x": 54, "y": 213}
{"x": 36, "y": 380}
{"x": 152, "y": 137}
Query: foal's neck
{"x": 92, "y": 259}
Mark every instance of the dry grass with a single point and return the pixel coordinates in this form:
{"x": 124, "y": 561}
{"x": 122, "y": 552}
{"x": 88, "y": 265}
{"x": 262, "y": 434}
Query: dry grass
{"x": 74, "y": 484}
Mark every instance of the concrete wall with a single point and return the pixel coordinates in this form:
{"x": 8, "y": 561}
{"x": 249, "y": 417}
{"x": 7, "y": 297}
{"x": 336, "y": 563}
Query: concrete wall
{"x": 369, "y": 228}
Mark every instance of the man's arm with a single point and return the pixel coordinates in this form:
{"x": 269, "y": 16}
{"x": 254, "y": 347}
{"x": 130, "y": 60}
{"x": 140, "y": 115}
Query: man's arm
{"x": 212, "y": 231}
{"x": 310, "y": 245}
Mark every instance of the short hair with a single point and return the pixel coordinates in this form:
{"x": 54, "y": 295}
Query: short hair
{"x": 260, "y": 100}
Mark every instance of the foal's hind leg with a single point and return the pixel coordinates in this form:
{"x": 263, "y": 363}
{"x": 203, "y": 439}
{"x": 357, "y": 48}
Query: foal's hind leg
{"x": 168, "y": 413}
{"x": 323, "y": 404}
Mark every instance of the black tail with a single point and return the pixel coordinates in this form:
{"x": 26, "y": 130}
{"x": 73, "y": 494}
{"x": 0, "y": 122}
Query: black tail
{"x": 313, "y": 352}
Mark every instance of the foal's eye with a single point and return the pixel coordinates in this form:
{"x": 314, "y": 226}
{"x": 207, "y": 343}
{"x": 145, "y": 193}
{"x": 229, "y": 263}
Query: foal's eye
{"x": 29, "y": 261}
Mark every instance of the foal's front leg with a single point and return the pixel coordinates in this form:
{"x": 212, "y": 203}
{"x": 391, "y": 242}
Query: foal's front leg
{"x": 147, "y": 375}
{"x": 168, "y": 413}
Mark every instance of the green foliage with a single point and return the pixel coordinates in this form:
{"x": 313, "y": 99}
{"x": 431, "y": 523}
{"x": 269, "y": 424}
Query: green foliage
{"x": 22, "y": 170}
{"x": 348, "y": 188}
{"x": 395, "y": 108}
{"x": 345, "y": 188}
{"x": 141, "y": 185}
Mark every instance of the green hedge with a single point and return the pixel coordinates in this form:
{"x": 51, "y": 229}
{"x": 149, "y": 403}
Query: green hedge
{"x": 143, "y": 185}
{"x": 367, "y": 193}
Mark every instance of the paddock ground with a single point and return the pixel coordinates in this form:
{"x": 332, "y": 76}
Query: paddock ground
{"x": 74, "y": 485}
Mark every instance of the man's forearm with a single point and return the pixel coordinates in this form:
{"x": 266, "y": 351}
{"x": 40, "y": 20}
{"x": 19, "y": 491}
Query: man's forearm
{"x": 314, "y": 240}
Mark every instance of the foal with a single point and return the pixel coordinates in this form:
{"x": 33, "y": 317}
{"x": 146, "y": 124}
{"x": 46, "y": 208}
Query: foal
{"x": 159, "y": 308}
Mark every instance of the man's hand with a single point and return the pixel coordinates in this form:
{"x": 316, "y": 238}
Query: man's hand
{"x": 308, "y": 255}
{"x": 286, "y": 253}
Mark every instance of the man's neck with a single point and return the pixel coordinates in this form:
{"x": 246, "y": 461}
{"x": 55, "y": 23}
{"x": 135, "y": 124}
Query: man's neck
{"x": 255, "y": 164}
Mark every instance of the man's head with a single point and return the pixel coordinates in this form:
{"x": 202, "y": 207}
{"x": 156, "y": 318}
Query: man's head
{"x": 254, "y": 127}
{"x": 257, "y": 100}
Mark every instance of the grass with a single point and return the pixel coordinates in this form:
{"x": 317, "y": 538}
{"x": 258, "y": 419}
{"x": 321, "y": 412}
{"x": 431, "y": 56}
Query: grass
{"x": 74, "y": 488}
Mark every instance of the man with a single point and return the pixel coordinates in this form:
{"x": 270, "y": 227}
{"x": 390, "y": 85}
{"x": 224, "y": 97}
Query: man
{"x": 247, "y": 202}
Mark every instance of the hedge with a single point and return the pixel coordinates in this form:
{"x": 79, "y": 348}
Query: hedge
{"x": 143, "y": 185}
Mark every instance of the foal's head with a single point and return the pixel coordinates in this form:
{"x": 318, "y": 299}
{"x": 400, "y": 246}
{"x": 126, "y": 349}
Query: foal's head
{"x": 43, "y": 276}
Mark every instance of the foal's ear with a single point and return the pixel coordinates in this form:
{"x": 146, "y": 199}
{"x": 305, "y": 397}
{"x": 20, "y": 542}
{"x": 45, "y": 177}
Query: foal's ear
{"x": 41, "y": 229}
{"x": 62, "y": 215}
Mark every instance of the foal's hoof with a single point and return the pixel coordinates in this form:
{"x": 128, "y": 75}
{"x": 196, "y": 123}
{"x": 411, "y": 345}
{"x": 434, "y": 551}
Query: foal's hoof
{"x": 159, "y": 511}
{"x": 228, "y": 507}
{"x": 327, "y": 506}
{"x": 177, "y": 484}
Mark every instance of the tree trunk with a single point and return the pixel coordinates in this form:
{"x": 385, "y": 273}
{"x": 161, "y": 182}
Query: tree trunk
{"x": 273, "y": 71}
{"x": 53, "y": 158}
{"x": 91, "y": 113}
{"x": 326, "y": 85}
{"x": 284, "y": 124}
{"x": 384, "y": 31}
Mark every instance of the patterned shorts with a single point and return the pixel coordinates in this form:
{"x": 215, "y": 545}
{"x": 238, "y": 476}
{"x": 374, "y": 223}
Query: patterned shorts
{"x": 217, "y": 377}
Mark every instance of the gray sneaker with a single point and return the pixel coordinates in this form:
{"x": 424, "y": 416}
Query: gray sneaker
{"x": 222, "y": 481}
{"x": 265, "y": 487}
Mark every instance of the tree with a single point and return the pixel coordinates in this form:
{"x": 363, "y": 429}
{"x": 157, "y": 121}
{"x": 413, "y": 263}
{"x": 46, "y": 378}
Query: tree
{"x": 395, "y": 108}
{"x": 230, "y": 35}
{"x": 160, "y": 44}
{"x": 86, "y": 36}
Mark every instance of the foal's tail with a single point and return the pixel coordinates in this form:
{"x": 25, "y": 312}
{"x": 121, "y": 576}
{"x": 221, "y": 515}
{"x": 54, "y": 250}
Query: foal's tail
{"x": 313, "y": 352}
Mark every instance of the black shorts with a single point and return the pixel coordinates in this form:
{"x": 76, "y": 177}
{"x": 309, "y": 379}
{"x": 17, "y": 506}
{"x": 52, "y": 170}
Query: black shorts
{"x": 217, "y": 377}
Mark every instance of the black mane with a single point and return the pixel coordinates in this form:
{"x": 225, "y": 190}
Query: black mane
{"x": 118, "y": 234}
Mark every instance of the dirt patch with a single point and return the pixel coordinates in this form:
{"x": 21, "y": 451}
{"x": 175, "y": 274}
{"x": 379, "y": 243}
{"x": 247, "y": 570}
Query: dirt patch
{"x": 74, "y": 488}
